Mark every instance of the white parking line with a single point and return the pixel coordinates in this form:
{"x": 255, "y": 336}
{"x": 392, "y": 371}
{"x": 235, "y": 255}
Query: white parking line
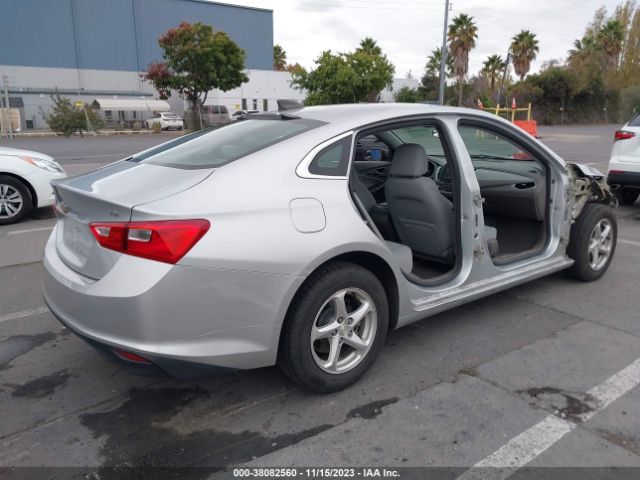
{"x": 629, "y": 242}
{"x": 29, "y": 230}
{"x": 526, "y": 446}
{"x": 23, "y": 314}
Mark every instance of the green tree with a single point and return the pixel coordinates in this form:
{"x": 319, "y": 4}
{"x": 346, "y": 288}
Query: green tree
{"x": 295, "y": 68}
{"x": 524, "y": 49}
{"x": 370, "y": 46}
{"x": 492, "y": 67}
{"x": 67, "y": 119}
{"x": 197, "y": 59}
{"x": 462, "y": 35}
{"x": 629, "y": 15}
{"x": 345, "y": 77}
{"x": 610, "y": 38}
{"x": 279, "y": 58}
{"x": 429, "y": 84}
{"x": 433, "y": 63}
{"x": 408, "y": 95}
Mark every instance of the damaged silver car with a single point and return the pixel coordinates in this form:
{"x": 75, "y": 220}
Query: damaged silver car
{"x": 300, "y": 238}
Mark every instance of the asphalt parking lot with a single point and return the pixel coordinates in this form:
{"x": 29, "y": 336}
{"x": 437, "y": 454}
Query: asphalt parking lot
{"x": 543, "y": 375}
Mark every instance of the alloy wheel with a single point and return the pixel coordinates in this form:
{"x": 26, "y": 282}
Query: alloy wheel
{"x": 600, "y": 244}
{"x": 11, "y": 201}
{"x": 344, "y": 330}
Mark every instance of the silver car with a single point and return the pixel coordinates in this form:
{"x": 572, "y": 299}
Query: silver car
{"x": 300, "y": 238}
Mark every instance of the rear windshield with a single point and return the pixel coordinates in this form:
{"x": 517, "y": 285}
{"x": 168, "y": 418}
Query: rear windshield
{"x": 218, "y": 146}
{"x": 635, "y": 121}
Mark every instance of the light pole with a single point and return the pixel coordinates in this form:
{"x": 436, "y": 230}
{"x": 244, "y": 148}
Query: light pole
{"x": 443, "y": 55}
{"x": 506, "y": 68}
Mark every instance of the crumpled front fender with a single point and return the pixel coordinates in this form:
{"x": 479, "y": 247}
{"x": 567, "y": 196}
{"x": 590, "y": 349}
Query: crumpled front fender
{"x": 587, "y": 184}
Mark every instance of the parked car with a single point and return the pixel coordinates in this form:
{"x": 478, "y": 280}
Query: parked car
{"x": 214, "y": 114}
{"x": 167, "y": 121}
{"x": 25, "y": 183}
{"x": 624, "y": 166}
{"x": 239, "y": 113}
{"x": 264, "y": 242}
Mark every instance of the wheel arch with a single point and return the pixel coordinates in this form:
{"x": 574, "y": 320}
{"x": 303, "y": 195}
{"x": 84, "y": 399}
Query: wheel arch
{"x": 370, "y": 261}
{"x": 32, "y": 191}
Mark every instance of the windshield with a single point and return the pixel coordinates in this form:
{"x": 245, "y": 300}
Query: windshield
{"x": 426, "y": 136}
{"x": 635, "y": 121}
{"x": 218, "y": 146}
{"x": 485, "y": 145}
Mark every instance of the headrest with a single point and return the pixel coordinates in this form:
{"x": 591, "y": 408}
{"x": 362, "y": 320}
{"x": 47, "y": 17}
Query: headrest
{"x": 409, "y": 160}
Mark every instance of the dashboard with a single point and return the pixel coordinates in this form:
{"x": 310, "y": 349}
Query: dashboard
{"x": 509, "y": 187}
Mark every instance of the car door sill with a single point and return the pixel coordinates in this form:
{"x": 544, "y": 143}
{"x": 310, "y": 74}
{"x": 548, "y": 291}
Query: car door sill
{"x": 499, "y": 282}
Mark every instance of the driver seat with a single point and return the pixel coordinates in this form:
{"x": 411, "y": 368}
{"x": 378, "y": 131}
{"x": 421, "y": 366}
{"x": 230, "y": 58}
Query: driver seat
{"x": 422, "y": 216}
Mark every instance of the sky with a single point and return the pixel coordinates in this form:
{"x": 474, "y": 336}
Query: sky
{"x": 407, "y": 30}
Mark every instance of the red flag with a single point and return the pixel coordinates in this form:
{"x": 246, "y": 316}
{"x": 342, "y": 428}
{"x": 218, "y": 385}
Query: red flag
{"x": 513, "y": 103}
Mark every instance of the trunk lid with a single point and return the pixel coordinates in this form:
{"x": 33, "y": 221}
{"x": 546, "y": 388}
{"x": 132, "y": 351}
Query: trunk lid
{"x": 109, "y": 194}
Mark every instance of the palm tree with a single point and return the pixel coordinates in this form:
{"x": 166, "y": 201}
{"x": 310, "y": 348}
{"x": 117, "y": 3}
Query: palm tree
{"x": 279, "y": 58}
{"x": 370, "y": 46}
{"x": 492, "y": 67}
{"x": 433, "y": 63}
{"x": 610, "y": 39}
{"x": 576, "y": 52}
{"x": 585, "y": 47}
{"x": 524, "y": 48}
{"x": 462, "y": 38}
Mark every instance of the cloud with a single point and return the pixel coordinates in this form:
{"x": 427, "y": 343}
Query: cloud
{"x": 408, "y": 30}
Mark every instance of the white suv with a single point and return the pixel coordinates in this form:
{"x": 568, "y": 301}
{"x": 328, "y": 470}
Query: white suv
{"x": 624, "y": 166}
{"x": 167, "y": 121}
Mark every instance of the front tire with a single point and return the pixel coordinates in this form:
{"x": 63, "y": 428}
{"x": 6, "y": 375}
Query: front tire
{"x": 593, "y": 242}
{"x": 336, "y": 327}
{"x": 15, "y": 200}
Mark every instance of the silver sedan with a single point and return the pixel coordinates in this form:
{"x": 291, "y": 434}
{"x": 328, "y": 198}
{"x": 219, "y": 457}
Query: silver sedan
{"x": 300, "y": 238}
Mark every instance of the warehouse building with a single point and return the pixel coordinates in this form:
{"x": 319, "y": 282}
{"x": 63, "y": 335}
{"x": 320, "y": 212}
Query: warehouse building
{"x": 89, "y": 50}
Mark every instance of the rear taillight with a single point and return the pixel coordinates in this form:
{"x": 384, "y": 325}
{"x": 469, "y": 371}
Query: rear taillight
{"x": 132, "y": 357}
{"x": 624, "y": 135}
{"x": 165, "y": 241}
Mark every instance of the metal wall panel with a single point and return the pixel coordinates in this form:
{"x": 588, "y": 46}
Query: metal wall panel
{"x": 251, "y": 29}
{"x": 37, "y": 33}
{"x": 119, "y": 34}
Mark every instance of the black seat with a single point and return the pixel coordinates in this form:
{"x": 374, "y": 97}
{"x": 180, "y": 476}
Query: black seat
{"x": 422, "y": 216}
{"x": 361, "y": 190}
{"x": 379, "y": 213}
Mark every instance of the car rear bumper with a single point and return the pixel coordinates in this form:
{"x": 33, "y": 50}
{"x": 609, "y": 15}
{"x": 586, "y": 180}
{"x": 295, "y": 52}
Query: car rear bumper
{"x": 155, "y": 366}
{"x": 175, "y": 316}
{"x": 623, "y": 178}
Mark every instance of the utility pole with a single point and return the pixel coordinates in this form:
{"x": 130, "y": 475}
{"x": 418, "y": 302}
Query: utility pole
{"x": 443, "y": 55}
{"x": 6, "y": 112}
{"x": 506, "y": 69}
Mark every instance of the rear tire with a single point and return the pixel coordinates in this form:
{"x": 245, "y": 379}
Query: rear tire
{"x": 592, "y": 242}
{"x": 627, "y": 196}
{"x": 335, "y": 329}
{"x": 15, "y": 200}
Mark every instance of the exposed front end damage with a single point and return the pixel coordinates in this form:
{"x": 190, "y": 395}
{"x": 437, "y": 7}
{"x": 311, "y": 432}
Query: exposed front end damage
{"x": 587, "y": 184}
